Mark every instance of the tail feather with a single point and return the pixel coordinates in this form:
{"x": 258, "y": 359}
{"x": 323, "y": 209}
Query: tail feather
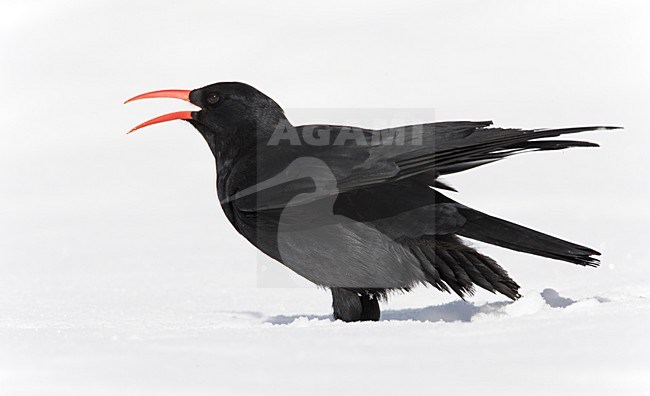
{"x": 495, "y": 231}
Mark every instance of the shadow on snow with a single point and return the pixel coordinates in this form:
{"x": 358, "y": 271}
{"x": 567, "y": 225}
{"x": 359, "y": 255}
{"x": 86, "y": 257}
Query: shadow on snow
{"x": 455, "y": 311}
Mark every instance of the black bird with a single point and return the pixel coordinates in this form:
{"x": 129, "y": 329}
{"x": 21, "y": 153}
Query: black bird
{"x": 360, "y": 211}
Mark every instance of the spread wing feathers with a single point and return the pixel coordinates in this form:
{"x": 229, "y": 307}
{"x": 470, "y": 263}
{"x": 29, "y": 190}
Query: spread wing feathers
{"x": 436, "y": 148}
{"x": 449, "y": 264}
{"x": 449, "y": 147}
{"x": 454, "y": 152}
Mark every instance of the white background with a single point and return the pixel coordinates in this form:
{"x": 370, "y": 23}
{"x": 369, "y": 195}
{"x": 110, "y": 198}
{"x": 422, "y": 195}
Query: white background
{"x": 120, "y": 275}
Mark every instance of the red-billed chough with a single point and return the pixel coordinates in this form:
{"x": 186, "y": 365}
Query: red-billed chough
{"x": 360, "y": 211}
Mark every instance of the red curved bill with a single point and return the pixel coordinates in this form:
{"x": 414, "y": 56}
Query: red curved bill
{"x": 165, "y": 93}
{"x": 179, "y": 115}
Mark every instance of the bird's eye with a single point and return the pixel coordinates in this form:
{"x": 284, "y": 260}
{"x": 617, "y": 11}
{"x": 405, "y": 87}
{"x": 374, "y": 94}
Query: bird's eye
{"x": 213, "y": 99}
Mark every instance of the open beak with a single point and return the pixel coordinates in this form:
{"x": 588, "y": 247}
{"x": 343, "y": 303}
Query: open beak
{"x": 168, "y": 93}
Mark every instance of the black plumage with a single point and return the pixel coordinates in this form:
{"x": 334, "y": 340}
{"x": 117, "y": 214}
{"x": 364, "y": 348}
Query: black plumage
{"x": 360, "y": 211}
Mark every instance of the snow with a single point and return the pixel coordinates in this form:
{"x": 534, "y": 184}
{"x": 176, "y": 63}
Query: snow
{"x": 223, "y": 345}
{"x": 120, "y": 275}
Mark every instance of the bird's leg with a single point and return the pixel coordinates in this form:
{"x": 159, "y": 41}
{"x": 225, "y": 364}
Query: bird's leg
{"x": 349, "y": 306}
{"x": 370, "y": 307}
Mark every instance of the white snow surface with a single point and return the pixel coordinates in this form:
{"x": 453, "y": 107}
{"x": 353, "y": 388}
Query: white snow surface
{"x": 120, "y": 275}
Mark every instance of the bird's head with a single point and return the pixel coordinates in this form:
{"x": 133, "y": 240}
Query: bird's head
{"x": 228, "y": 111}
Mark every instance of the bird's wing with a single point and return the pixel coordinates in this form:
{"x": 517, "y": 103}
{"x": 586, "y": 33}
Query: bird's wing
{"x": 367, "y": 158}
{"x": 449, "y": 147}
